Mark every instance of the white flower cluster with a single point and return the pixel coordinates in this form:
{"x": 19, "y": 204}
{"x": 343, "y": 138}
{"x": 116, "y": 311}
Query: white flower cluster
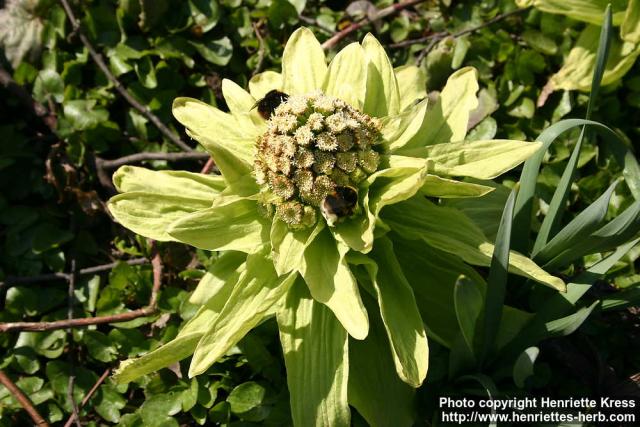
{"x": 313, "y": 144}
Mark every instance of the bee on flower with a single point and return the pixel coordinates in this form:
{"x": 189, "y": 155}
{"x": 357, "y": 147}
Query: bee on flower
{"x": 325, "y": 215}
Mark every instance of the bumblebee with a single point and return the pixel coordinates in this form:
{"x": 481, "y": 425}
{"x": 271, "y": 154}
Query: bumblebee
{"x": 341, "y": 203}
{"x": 268, "y": 104}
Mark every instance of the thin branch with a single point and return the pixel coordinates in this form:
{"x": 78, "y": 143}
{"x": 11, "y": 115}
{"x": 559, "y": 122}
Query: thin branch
{"x": 23, "y": 400}
{"x": 12, "y": 281}
{"x": 90, "y": 394}
{"x": 261, "y": 49}
{"x": 150, "y": 309}
{"x": 27, "y": 100}
{"x": 209, "y": 166}
{"x": 335, "y": 39}
{"x": 97, "y": 58}
{"x": 140, "y": 157}
{"x": 433, "y": 39}
{"x": 71, "y": 354}
{"x": 74, "y": 405}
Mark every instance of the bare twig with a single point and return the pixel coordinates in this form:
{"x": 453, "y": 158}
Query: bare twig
{"x": 140, "y": 157}
{"x": 27, "y": 100}
{"x": 23, "y": 400}
{"x": 71, "y": 354}
{"x": 75, "y": 411}
{"x": 433, "y": 39}
{"x": 335, "y": 39}
{"x": 89, "y": 395}
{"x": 150, "y": 309}
{"x": 97, "y": 58}
{"x": 12, "y": 281}
{"x": 209, "y": 166}
{"x": 261, "y": 49}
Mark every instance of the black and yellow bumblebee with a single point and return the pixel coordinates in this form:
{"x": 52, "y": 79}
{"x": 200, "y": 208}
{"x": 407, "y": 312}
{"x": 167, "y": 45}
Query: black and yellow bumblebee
{"x": 341, "y": 203}
{"x": 268, "y": 104}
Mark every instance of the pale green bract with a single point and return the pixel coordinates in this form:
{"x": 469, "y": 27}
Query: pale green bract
{"x": 321, "y": 282}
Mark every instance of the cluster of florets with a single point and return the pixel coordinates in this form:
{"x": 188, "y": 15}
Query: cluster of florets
{"x": 313, "y": 143}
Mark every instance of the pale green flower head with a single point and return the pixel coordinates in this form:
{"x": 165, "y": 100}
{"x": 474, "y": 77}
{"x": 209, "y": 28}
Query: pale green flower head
{"x": 356, "y": 126}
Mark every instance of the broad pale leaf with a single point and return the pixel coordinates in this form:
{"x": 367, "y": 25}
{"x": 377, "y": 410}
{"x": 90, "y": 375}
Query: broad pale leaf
{"x": 330, "y": 282}
{"x": 304, "y": 66}
{"x": 235, "y": 226}
{"x": 347, "y": 76}
{"x": 316, "y": 355}
{"x": 257, "y": 291}
{"x": 383, "y": 97}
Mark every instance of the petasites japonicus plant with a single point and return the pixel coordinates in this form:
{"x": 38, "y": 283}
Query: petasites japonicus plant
{"x": 323, "y": 189}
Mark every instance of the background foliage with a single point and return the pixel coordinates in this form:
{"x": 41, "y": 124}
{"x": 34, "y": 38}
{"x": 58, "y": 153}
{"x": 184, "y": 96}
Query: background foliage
{"x": 52, "y": 188}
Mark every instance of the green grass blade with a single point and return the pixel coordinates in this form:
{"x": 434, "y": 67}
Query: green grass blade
{"x": 557, "y": 206}
{"x": 588, "y": 221}
{"x": 601, "y": 58}
{"x": 616, "y": 232}
{"x": 497, "y": 281}
{"x": 559, "y": 199}
{"x": 529, "y": 177}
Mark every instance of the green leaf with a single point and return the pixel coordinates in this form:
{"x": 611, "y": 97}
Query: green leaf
{"x": 83, "y": 114}
{"x": 217, "y": 52}
{"x": 99, "y": 346}
{"x": 289, "y": 246}
{"x": 468, "y": 301}
{"x": 170, "y": 183}
{"x": 230, "y": 144}
{"x": 372, "y": 378}
{"x": 315, "y": 348}
{"x": 246, "y": 397}
{"x": 578, "y": 68}
{"x": 228, "y": 264}
{"x": 449, "y": 230}
{"x": 258, "y": 290}
{"x": 618, "y": 231}
{"x": 382, "y": 98}
{"x": 205, "y": 13}
{"x": 48, "y": 84}
{"x": 523, "y": 368}
{"x": 330, "y": 282}
{"x": 448, "y": 119}
{"x": 586, "y": 222}
{"x": 150, "y": 214}
{"x": 484, "y": 211}
{"x": 184, "y": 344}
{"x": 347, "y": 76}
{"x": 497, "y": 281}
{"x": 435, "y": 186}
{"x": 412, "y": 85}
{"x": 304, "y": 66}
{"x": 630, "y": 29}
{"x": 158, "y": 409}
{"x": 478, "y": 159}
{"x": 235, "y": 226}
{"x": 146, "y": 73}
{"x": 529, "y": 175}
{"x": 583, "y": 10}
{"x": 400, "y": 315}
{"x": 568, "y": 325}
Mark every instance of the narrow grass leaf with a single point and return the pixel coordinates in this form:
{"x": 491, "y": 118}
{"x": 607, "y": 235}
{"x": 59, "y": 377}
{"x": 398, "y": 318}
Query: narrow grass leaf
{"x": 497, "y": 282}
{"x": 582, "y": 225}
